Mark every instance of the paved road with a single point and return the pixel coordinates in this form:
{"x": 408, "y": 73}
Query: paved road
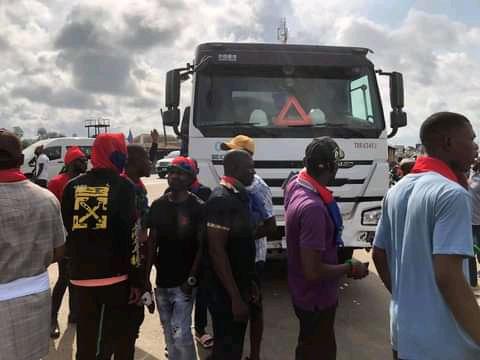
{"x": 361, "y": 324}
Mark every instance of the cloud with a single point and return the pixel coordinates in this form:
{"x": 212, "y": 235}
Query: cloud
{"x": 60, "y": 98}
{"x": 146, "y": 32}
{"x": 101, "y": 72}
{"x": 109, "y": 58}
{"x": 4, "y": 44}
{"x": 143, "y": 102}
{"x": 85, "y": 35}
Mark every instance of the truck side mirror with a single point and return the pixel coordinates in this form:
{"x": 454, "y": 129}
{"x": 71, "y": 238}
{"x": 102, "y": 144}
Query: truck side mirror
{"x": 396, "y": 90}
{"x": 398, "y": 117}
{"x": 171, "y": 117}
{"x": 172, "y": 89}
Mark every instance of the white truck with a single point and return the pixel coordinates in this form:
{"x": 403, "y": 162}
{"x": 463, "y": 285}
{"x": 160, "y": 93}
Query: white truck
{"x": 283, "y": 96}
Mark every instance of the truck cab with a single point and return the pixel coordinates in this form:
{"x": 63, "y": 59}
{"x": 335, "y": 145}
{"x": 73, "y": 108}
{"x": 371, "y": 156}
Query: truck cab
{"x": 282, "y": 96}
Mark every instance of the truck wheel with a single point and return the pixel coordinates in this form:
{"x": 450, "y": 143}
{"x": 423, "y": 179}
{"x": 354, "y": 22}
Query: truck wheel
{"x": 344, "y": 254}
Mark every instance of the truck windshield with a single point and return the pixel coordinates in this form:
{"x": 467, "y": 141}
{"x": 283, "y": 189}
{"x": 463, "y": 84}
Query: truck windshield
{"x": 288, "y": 102}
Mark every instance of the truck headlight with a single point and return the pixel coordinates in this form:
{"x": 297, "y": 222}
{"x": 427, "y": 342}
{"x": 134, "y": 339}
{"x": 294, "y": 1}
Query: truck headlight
{"x": 371, "y": 216}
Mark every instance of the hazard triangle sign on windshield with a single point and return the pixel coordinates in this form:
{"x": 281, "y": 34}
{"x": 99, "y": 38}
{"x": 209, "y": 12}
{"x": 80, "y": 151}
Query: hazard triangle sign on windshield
{"x": 283, "y": 119}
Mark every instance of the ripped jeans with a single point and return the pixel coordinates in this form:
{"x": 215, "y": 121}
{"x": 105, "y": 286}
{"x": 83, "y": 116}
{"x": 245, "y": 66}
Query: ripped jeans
{"x": 175, "y": 309}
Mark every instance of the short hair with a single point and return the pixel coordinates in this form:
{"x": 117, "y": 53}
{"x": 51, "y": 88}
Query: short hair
{"x": 135, "y": 150}
{"x": 10, "y": 150}
{"x": 321, "y": 150}
{"x": 438, "y": 125}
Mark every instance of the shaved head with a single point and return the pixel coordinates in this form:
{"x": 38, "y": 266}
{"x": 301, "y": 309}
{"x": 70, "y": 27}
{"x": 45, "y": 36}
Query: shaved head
{"x": 239, "y": 165}
{"x": 138, "y": 164}
{"x": 439, "y": 126}
{"x": 450, "y": 137}
{"x": 10, "y": 150}
{"x": 136, "y": 151}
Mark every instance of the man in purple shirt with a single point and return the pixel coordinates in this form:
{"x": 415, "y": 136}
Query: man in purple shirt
{"x": 314, "y": 226}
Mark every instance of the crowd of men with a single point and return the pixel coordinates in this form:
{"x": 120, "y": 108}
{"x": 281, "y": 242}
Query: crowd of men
{"x": 209, "y": 249}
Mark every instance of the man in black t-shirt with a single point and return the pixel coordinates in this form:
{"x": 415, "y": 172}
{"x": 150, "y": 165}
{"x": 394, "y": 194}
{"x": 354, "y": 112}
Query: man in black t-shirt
{"x": 176, "y": 227}
{"x": 233, "y": 290}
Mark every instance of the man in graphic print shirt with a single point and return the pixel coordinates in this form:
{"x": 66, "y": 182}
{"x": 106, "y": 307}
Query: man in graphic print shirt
{"x": 99, "y": 213}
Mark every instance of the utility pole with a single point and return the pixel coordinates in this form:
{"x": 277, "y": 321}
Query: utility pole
{"x": 282, "y": 31}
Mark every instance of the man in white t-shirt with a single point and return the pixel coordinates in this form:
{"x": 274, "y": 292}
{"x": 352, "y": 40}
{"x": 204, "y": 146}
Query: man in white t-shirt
{"x": 41, "y": 167}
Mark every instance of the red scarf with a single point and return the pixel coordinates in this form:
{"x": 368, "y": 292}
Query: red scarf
{"x": 11, "y": 175}
{"x": 230, "y": 182}
{"x": 324, "y": 193}
{"x": 427, "y": 163}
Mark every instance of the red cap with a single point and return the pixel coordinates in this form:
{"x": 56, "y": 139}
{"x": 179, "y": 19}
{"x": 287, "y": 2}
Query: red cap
{"x": 186, "y": 164}
{"x": 73, "y": 153}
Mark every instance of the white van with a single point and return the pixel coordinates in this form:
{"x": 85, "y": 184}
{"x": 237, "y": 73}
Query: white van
{"x": 55, "y": 149}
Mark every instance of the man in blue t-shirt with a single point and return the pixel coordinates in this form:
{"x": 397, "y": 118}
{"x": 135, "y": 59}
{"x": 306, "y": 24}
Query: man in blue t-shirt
{"x": 422, "y": 241}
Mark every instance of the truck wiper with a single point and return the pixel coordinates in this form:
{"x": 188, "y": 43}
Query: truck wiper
{"x": 345, "y": 126}
{"x": 229, "y": 124}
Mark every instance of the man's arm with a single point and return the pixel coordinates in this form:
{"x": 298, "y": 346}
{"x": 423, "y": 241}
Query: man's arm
{"x": 267, "y": 228}
{"x": 58, "y": 232}
{"x": 154, "y": 148}
{"x": 457, "y": 293}
{"x": 151, "y": 245}
{"x": 217, "y": 243}
{"x": 313, "y": 241}
{"x": 314, "y": 269}
{"x": 40, "y": 169}
{"x": 379, "y": 257}
{"x": 198, "y": 257}
{"x": 58, "y": 253}
{"x": 127, "y": 215}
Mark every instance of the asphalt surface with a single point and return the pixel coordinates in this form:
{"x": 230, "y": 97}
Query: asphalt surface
{"x": 362, "y": 326}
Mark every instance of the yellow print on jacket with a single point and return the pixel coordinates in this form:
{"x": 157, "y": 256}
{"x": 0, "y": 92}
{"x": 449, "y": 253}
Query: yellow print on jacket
{"x": 90, "y": 208}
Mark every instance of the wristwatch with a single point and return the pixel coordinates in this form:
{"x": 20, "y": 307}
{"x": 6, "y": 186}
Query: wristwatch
{"x": 192, "y": 281}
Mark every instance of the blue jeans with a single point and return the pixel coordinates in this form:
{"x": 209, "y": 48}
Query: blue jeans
{"x": 175, "y": 309}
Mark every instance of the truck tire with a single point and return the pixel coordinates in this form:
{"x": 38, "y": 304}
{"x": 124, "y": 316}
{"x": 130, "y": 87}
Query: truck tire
{"x": 344, "y": 254}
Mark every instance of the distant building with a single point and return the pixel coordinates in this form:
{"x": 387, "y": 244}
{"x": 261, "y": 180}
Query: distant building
{"x": 165, "y": 144}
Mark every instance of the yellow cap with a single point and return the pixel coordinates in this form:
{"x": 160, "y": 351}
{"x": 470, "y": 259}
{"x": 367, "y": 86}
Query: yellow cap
{"x": 240, "y": 142}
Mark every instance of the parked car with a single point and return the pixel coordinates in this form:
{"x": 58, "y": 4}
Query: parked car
{"x": 55, "y": 149}
{"x": 163, "y": 164}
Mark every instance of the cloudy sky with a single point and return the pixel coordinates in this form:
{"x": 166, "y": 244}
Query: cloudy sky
{"x": 65, "y": 61}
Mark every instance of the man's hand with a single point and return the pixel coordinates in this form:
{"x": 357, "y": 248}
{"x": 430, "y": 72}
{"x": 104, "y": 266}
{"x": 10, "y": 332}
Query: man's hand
{"x": 135, "y": 295}
{"x": 359, "y": 270}
{"x": 239, "y": 310}
{"x": 255, "y": 295}
{"x": 155, "y": 136}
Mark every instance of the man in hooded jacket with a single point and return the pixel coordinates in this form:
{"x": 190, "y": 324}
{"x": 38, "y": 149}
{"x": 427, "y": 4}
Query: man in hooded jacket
{"x": 99, "y": 214}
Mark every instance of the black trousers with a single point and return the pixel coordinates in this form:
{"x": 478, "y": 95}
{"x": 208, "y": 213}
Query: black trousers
{"x": 229, "y": 334}
{"x": 102, "y": 321}
{"x": 317, "y": 335}
{"x": 136, "y": 315}
{"x": 59, "y": 290}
